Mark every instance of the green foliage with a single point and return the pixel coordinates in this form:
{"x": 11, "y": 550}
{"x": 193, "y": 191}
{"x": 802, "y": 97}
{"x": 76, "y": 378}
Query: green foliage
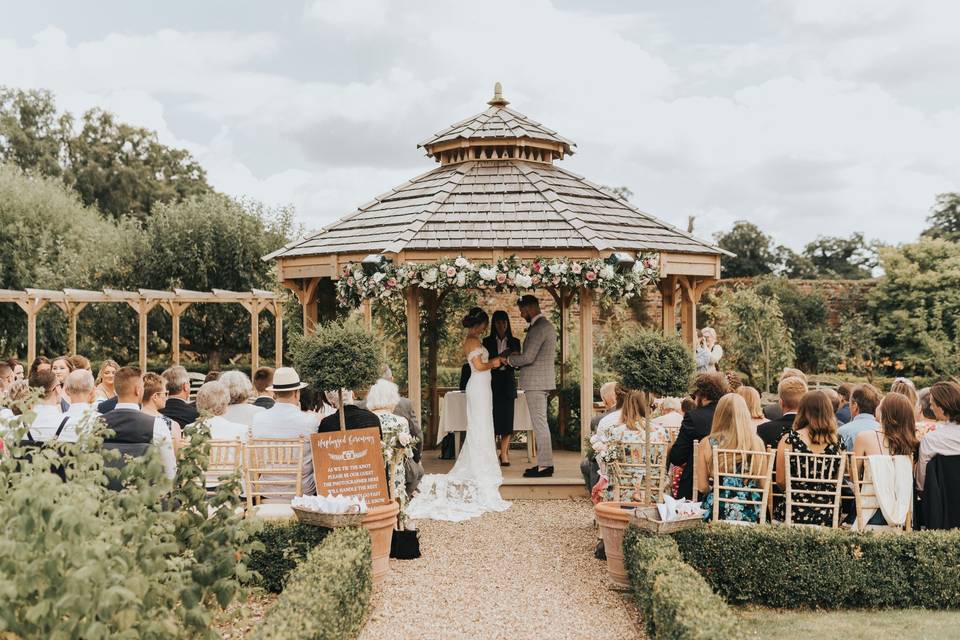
{"x": 848, "y": 258}
{"x": 327, "y": 595}
{"x": 753, "y": 334}
{"x": 80, "y": 561}
{"x": 795, "y": 567}
{"x": 338, "y": 355}
{"x": 944, "y": 218}
{"x": 806, "y": 316}
{"x": 284, "y": 544}
{"x": 755, "y": 253}
{"x": 648, "y": 361}
{"x": 673, "y": 598}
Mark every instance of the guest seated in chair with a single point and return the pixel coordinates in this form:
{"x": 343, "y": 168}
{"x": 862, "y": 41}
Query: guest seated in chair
{"x": 790, "y": 390}
{"x": 382, "y": 400}
{"x": 612, "y": 403}
{"x": 945, "y": 440}
{"x": 708, "y": 388}
{"x": 354, "y": 417}
{"x": 213, "y": 401}
{"x": 285, "y": 420}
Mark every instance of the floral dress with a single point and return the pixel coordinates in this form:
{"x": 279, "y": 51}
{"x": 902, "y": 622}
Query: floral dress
{"x": 822, "y": 516}
{"x": 397, "y": 445}
{"x": 733, "y": 511}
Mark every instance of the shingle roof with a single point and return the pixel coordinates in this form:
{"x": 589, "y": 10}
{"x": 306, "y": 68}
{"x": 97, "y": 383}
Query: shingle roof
{"x": 510, "y": 204}
{"x": 498, "y": 122}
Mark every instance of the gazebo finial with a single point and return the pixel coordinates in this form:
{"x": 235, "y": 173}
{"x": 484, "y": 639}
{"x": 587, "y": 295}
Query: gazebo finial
{"x": 498, "y": 99}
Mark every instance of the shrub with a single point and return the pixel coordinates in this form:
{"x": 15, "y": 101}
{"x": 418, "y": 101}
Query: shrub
{"x": 327, "y": 595}
{"x": 801, "y": 567}
{"x": 284, "y": 545}
{"x": 645, "y": 360}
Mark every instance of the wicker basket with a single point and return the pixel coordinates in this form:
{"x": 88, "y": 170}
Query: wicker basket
{"x": 648, "y": 519}
{"x": 328, "y": 520}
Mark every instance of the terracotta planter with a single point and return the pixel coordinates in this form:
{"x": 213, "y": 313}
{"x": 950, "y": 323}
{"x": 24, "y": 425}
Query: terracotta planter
{"x": 380, "y": 521}
{"x": 613, "y": 520}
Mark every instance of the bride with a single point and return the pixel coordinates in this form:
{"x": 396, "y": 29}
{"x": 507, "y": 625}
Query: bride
{"x": 473, "y": 485}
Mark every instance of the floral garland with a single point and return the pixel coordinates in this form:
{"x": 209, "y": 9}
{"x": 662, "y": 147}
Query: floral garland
{"x": 511, "y": 275}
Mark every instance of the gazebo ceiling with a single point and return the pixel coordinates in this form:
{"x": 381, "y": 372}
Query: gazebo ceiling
{"x": 497, "y": 186}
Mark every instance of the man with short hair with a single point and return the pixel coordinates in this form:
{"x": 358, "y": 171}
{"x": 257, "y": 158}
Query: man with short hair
{"x": 285, "y": 420}
{"x": 589, "y": 468}
{"x": 864, "y": 400}
{"x": 79, "y": 387}
{"x": 262, "y": 379}
{"x": 708, "y": 388}
{"x": 843, "y": 413}
{"x": 790, "y": 391}
{"x": 772, "y": 411}
{"x": 132, "y": 426}
{"x": 178, "y": 407}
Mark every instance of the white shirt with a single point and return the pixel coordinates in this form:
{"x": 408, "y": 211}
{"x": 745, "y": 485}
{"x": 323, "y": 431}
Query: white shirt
{"x": 162, "y": 438}
{"x": 223, "y": 429}
{"x": 77, "y": 412}
{"x": 670, "y": 420}
{"x": 47, "y": 422}
{"x": 609, "y": 421}
{"x": 944, "y": 441}
{"x": 242, "y": 413}
{"x": 283, "y": 420}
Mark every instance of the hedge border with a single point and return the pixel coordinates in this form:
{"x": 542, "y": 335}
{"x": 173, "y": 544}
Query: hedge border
{"x": 327, "y": 595}
{"x": 285, "y": 544}
{"x": 800, "y": 567}
{"x": 674, "y": 600}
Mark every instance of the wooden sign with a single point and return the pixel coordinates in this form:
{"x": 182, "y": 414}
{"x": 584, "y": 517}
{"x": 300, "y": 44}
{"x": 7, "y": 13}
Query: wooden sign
{"x": 350, "y": 463}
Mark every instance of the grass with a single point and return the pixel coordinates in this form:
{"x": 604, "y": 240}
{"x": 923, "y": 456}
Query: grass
{"x": 918, "y": 624}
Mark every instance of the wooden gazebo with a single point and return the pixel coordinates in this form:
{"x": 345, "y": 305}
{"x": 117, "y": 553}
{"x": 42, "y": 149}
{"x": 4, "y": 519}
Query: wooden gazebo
{"x": 497, "y": 192}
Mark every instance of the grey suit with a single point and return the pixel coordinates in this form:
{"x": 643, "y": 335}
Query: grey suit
{"x": 538, "y": 377}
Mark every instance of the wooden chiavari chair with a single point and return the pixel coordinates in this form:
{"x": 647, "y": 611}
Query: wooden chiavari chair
{"x": 823, "y": 474}
{"x": 752, "y": 469}
{"x": 274, "y": 469}
{"x": 865, "y": 494}
{"x": 641, "y": 473}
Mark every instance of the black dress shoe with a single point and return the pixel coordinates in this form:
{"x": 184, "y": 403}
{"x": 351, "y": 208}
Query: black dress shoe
{"x": 537, "y": 472}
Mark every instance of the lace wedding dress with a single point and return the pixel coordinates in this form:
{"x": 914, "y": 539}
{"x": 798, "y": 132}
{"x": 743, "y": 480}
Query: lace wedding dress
{"x": 473, "y": 485}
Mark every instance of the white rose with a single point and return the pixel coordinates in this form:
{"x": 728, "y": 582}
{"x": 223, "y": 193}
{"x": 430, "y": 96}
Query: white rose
{"x": 378, "y": 276}
{"x": 461, "y": 262}
{"x": 403, "y": 439}
{"x": 524, "y": 282}
{"x": 430, "y": 275}
{"x": 461, "y": 279}
{"x": 607, "y": 272}
{"x": 628, "y": 286}
{"x": 558, "y": 269}
{"x": 487, "y": 273}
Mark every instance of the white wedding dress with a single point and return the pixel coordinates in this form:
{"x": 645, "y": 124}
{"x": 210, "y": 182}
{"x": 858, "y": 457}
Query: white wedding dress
{"x": 473, "y": 485}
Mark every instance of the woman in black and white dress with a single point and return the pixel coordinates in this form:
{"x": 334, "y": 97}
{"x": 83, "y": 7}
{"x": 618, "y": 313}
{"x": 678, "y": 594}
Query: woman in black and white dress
{"x": 503, "y": 381}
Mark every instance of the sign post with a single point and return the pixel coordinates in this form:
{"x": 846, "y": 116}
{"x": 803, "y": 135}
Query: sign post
{"x": 350, "y": 463}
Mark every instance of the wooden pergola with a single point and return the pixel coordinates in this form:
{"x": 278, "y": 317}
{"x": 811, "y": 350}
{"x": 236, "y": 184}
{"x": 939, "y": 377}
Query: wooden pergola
{"x": 497, "y": 193}
{"x": 73, "y": 301}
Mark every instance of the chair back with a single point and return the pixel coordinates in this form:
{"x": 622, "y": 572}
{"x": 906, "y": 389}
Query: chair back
{"x": 274, "y": 468}
{"x": 736, "y": 468}
{"x": 226, "y": 457}
{"x": 641, "y": 472}
{"x": 813, "y": 480}
{"x": 865, "y": 493}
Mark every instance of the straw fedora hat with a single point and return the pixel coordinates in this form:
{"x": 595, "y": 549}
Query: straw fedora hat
{"x": 286, "y": 379}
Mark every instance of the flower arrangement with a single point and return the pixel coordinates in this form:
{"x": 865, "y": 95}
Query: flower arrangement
{"x": 505, "y": 275}
{"x": 396, "y": 445}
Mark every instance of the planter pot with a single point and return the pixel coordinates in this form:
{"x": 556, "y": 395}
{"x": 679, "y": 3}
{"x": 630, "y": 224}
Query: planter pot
{"x": 613, "y": 520}
{"x": 380, "y": 522}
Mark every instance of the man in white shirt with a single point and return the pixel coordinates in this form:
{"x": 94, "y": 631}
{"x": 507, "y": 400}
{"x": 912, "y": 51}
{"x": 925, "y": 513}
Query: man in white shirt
{"x": 285, "y": 419}
{"x": 132, "y": 425}
{"x": 79, "y": 387}
{"x": 50, "y": 418}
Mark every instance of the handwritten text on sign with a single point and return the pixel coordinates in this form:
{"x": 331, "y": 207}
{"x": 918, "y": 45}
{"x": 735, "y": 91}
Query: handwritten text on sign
{"x": 350, "y": 463}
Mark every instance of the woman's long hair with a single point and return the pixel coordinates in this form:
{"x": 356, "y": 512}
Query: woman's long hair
{"x": 752, "y": 397}
{"x": 106, "y": 363}
{"x": 635, "y": 411}
{"x": 816, "y": 415}
{"x": 898, "y": 419}
{"x": 732, "y": 428}
{"x": 500, "y": 314}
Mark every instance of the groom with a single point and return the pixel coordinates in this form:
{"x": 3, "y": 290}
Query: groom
{"x": 537, "y": 379}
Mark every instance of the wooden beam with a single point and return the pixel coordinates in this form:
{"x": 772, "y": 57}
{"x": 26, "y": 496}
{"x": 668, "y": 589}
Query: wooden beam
{"x": 668, "y": 297}
{"x": 586, "y": 366}
{"x": 368, "y": 315}
{"x": 73, "y": 310}
{"x": 278, "y": 333}
{"x": 563, "y": 413}
{"x": 413, "y": 349}
{"x": 32, "y": 307}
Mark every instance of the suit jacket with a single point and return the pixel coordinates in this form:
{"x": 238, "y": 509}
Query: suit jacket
{"x": 264, "y": 401}
{"x": 129, "y": 426}
{"x": 405, "y": 410}
{"x": 353, "y": 416}
{"x": 940, "y": 490}
{"x": 772, "y": 411}
{"x": 843, "y": 415}
{"x": 181, "y": 412}
{"x": 108, "y": 405}
{"x": 696, "y": 426}
{"x": 502, "y": 380}
{"x": 538, "y": 371}
{"x": 771, "y": 432}
{"x": 595, "y": 420}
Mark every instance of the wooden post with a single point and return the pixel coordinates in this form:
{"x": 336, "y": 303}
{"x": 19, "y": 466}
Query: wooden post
{"x": 278, "y": 333}
{"x": 413, "y": 349}
{"x": 668, "y": 294}
{"x": 563, "y": 412}
{"x": 72, "y": 309}
{"x": 176, "y": 310}
{"x": 142, "y": 307}
{"x": 32, "y": 307}
{"x": 254, "y": 308}
{"x": 368, "y": 315}
{"x": 309, "y": 302}
{"x": 586, "y": 366}
{"x": 688, "y": 311}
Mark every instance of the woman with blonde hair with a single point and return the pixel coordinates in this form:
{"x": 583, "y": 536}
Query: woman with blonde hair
{"x": 752, "y": 397}
{"x": 105, "y": 376}
{"x": 732, "y": 428}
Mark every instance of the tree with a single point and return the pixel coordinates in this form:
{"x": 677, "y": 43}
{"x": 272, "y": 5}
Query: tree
{"x": 850, "y": 258}
{"x": 645, "y": 360}
{"x": 755, "y": 253}
{"x": 32, "y": 136}
{"x": 753, "y": 334}
{"x": 944, "y": 218}
{"x": 806, "y": 315}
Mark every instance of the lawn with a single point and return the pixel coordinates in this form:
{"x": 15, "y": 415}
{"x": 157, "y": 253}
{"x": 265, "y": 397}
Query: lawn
{"x": 918, "y": 624}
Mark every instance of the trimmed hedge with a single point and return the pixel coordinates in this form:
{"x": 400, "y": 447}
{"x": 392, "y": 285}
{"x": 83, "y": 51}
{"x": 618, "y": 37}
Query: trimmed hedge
{"x": 798, "y": 567}
{"x": 675, "y": 601}
{"x": 285, "y": 545}
{"x": 327, "y": 595}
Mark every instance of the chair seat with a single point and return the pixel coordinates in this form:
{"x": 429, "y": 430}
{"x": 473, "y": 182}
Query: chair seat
{"x": 272, "y": 511}
{"x": 239, "y": 510}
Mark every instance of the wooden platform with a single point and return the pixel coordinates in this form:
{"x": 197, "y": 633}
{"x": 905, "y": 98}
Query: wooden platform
{"x": 565, "y": 483}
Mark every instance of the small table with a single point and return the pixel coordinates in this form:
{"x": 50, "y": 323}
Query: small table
{"x": 453, "y": 419}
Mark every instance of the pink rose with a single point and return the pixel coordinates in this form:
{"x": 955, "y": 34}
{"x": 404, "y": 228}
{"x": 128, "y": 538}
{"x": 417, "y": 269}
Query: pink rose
{"x": 391, "y": 282}
{"x": 451, "y": 272}
{"x": 536, "y": 279}
{"x": 525, "y": 271}
{"x": 350, "y": 281}
{"x": 576, "y": 268}
{"x": 591, "y": 276}
{"x": 537, "y": 267}
{"x": 556, "y": 280}
{"x": 501, "y": 278}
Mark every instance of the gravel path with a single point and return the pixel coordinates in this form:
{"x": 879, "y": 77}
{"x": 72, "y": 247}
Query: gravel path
{"x": 526, "y": 573}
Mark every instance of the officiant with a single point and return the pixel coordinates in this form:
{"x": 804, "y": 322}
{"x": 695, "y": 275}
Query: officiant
{"x": 503, "y": 381}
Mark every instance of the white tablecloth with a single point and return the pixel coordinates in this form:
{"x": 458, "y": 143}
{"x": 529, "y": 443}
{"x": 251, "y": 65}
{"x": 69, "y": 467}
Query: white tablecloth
{"x": 453, "y": 418}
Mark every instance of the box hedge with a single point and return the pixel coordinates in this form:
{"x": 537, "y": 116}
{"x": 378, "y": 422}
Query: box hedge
{"x": 673, "y": 598}
{"x": 285, "y": 544}
{"x": 799, "y": 567}
{"x": 327, "y": 595}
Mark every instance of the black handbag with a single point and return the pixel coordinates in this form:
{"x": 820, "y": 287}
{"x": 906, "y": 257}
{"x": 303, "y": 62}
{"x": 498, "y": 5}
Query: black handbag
{"x": 405, "y": 545}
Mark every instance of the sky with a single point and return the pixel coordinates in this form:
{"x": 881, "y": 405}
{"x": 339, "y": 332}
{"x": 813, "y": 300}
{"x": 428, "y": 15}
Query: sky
{"x": 805, "y": 117}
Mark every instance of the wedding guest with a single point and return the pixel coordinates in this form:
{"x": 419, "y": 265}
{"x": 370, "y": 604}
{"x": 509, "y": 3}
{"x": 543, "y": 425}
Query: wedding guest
{"x": 752, "y": 397}
{"x": 132, "y": 426}
{"x": 213, "y": 400}
{"x": 687, "y": 405}
{"x": 285, "y": 420}
{"x": 6, "y": 379}
{"x": 773, "y": 411}
{"x": 612, "y": 418}
{"x": 17, "y": 369}
{"x": 945, "y": 440}
{"x": 61, "y": 368}
{"x": 790, "y": 391}
{"x": 864, "y": 401}
{"x": 154, "y": 400}
{"x": 262, "y": 379}
{"x": 926, "y": 420}
{"x": 732, "y": 428}
{"x": 40, "y": 363}
{"x": 733, "y": 380}
{"x": 670, "y": 415}
{"x": 382, "y": 400}
{"x": 814, "y": 431}
{"x": 503, "y": 381}
{"x": 905, "y": 387}
{"x": 833, "y": 397}
{"x": 844, "y": 389}
{"x": 589, "y": 468}
{"x": 404, "y": 409}
{"x": 178, "y": 407}
{"x": 212, "y": 376}
{"x": 708, "y": 388}
{"x": 78, "y": 361}
{"x": 50, "y": 418}
{"x": 240, "y": 410}
{"x": 708, "y": 352}
{"x": 354, "y": 416}
{"x": 79, "y": 388}
{"x": 105, "y": 389}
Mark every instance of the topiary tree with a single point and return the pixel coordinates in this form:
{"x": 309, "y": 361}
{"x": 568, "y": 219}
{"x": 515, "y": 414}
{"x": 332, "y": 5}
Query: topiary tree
{"x": 645, "y": 360}
{"x": 338, "y": 356}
